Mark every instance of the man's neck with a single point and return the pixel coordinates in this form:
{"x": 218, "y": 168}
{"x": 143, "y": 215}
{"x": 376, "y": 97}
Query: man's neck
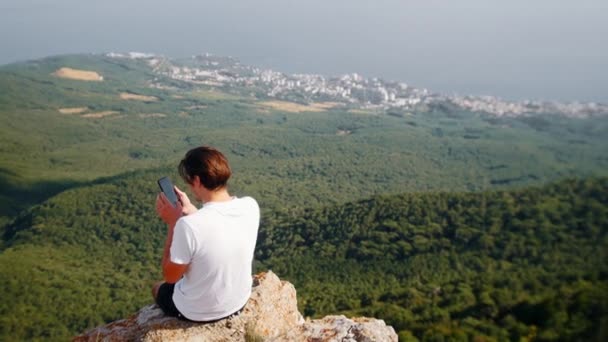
{"x": 220, "y": 195}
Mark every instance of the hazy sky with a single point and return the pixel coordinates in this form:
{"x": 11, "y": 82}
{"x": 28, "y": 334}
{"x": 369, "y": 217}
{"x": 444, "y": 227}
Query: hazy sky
{"x": 551, "y": 49}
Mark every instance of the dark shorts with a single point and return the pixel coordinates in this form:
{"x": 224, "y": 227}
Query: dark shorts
{"x": 164, "y": 300}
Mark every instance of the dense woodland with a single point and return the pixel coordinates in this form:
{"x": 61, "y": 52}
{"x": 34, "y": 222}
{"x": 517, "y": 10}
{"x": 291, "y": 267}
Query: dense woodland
{"x": 303, "y": 155}
{"x": 448, "y": 225}
{"x": 498, "y": 265}
{"x": 509, "y": 265}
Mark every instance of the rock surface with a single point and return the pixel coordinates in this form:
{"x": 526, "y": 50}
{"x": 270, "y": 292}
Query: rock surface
{"x": 270, "y": 315}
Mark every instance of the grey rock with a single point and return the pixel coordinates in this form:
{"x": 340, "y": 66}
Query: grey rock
{"x": 271, "y": 314}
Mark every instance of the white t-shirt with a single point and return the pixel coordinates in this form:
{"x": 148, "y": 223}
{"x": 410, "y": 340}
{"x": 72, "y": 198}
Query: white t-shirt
{"x": 218, "y": 242}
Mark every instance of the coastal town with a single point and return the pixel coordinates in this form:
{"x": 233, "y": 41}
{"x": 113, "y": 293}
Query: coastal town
{"x": 352, "y": 90}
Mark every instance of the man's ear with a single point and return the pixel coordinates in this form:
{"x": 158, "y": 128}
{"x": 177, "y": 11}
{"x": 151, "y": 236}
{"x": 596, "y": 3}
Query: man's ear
{"x": 196, "y": 181}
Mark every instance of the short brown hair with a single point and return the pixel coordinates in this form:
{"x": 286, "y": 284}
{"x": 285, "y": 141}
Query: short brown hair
{"x": 209, "y": 164}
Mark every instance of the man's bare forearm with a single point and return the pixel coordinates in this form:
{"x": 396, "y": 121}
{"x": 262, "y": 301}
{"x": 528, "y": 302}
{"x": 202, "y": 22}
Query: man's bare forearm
{"x": 167, "y": 250}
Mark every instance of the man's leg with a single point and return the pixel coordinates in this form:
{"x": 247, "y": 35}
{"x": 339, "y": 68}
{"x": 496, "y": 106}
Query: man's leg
{"x": 163, "y": 296}
{"x": 155, "y": 289}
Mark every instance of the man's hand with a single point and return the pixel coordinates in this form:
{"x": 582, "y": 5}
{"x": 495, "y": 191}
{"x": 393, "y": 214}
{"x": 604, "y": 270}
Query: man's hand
{"x": 166, "y": 211}
{"x": 187, "y": 206}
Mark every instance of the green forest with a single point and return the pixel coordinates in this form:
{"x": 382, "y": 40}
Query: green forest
{"x": 499, "y": 265}
{"x": 507, "y": 265}
{"x": 449, "y": 225}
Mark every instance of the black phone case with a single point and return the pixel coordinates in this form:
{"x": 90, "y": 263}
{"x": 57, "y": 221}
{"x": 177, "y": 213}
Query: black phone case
{"x": 167, "y": 188}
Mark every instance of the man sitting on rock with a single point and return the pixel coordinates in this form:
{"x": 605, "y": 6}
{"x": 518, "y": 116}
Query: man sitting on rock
{"x": 208, "y": 253}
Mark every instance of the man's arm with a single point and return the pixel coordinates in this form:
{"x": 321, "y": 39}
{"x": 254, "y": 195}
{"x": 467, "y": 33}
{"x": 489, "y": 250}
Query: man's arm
{"x": 172, "y": 272}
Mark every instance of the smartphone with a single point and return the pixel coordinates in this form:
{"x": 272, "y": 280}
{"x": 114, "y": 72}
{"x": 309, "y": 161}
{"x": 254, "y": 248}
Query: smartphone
{"x": 167, "y": 188}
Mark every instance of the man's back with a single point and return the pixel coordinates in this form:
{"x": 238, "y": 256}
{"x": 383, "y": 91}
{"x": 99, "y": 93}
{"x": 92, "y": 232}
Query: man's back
{"x": 218, "y": 243}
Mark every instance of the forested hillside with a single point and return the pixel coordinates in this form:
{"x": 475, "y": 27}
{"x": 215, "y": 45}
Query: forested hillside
{"x": 58, "y": 133}
{"x": 422, "y": 218}
{"x": 499, "y": 265}
{"x": 506, "y": 265}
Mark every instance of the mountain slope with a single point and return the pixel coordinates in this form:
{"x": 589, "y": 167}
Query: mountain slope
{"x": 476, "y": 264}
{"x": 502, "y": 264}
{"x": 80, "y": 242}
{"x": 338, "y": 155}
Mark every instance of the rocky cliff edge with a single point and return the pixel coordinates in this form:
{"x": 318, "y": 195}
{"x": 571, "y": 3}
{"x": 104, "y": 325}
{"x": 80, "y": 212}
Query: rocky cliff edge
{"x": 270, "y": 315}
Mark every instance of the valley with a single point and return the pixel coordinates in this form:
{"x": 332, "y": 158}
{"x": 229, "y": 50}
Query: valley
{"x": 445, "y": 221}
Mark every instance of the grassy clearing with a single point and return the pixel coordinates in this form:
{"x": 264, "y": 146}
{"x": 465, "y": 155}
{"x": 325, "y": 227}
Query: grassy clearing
{"x": 76, "y": 74}
{"x": 98, "y": 115}
{"x": 212, "y": 95}
{"x": 138, "y": 97}
{"x": 152, "y": 115}
{"x": 293, "y": 107}
{"x": 74, "y": 110}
